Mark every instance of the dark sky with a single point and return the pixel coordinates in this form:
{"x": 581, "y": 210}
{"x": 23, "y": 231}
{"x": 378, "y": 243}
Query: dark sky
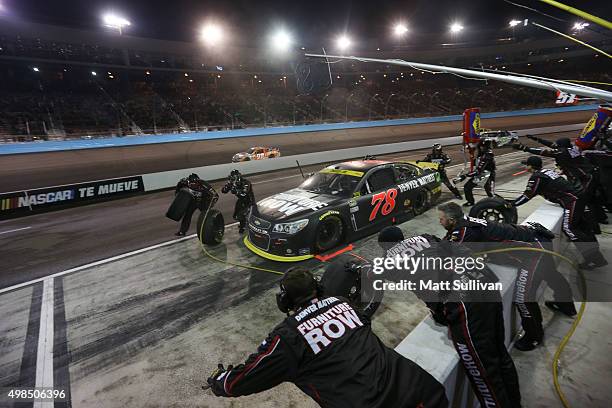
{"x": 312, "y": 21}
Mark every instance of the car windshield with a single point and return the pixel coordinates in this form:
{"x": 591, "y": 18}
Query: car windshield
{"x": 331, "y": 183}
{"x": 254, "y": 150}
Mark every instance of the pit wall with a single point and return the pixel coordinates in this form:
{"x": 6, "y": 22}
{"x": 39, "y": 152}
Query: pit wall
{"x": 429, "y": 346}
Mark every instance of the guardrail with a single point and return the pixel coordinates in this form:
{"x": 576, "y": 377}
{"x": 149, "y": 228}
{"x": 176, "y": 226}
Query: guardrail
{"x": 428, "y": 344}
{"x": 50, "y": 146}
{"x": 20, "y": 203}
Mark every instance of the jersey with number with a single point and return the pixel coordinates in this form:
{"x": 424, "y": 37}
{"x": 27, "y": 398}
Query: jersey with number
{"x": 550, "y": 185}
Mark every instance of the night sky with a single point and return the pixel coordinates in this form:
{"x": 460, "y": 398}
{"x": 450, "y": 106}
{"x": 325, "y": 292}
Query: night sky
{"x": 310, "y": 21}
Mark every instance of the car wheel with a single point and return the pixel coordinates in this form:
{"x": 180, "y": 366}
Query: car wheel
{"x": 494, "y": 210}
{"x": 329, "y": 233}
{"x": 420, "y": 203}
{"x": 213, "y": 227}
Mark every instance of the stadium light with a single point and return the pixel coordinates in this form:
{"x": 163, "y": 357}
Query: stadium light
{"x": 94, "y": 73}
{"x": 281, "y": 40}
{"x": 456, "y": 28}
{"x": 35, "y": 69}
{"x": 400, "y": 29}
{"x": 343, "y": 42}
{"x": 115, "y": 21}
{"x": 580, "y": 25}
{"x": 514, "y": 23}
{"x": 211, "y": 34}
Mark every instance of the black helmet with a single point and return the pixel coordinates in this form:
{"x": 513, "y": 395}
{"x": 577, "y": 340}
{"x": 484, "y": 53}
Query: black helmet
{"x": 193, "y": 177}
{"x": 564, "y": 143}
{"x": 437, "y": 146}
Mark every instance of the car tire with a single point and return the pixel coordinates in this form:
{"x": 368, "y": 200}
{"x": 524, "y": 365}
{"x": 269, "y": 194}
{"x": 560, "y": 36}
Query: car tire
{"x": 213, "y": 227}
{"x": 329, "y": 233}
{"x": 493, "y": 209}
{"x": 179, "y": 205}
{"x": 421, "y": 202}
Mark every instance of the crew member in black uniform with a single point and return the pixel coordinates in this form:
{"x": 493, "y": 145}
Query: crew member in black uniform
{"x": 553, "y": 187}
{"x": 486, "y": 162}
{"x": 475, "y": 318}
{"x": 534, "y": 266}
{"x": 243, "y": 190}
{"x": 442, "y": 159}
{"x": 328, "y": 350}
{"x": 577, "y": 168}
{"x": 204, "y": 196}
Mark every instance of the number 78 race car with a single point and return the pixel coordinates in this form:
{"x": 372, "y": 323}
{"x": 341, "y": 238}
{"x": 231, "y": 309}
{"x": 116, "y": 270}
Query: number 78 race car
{"x": 340, "y": 204}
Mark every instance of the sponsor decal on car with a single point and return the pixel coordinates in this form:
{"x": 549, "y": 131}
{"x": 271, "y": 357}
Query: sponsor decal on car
{"x": 343, "y": 172}
{"x": 289, "y": 204}
{"x": 328, "y": 213}
{"x": 420, "y": 182}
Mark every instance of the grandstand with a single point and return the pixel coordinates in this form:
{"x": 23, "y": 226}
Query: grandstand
{"x": 65, "y": 83}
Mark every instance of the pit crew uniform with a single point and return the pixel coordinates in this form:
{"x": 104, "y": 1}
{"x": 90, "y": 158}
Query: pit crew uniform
{"x": 475, "y": 319}
{"x": 442, "y": 159}
{"x": 246, "y": 198}
{"x": 486, "y": 161}
{"x": 328, "y": 350}
{"x": 550, "y": 185}
{"x": 203, "y": 193}
{"x": 534, "y": 266}
{"x": 577, "y": 168}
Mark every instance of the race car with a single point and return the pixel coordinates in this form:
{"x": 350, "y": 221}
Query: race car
{"x": 257, "y": 153}
{"x": 499, "y": 137}
{"x": 340, "y": 204}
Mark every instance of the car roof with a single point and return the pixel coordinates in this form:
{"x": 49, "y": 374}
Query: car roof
{"x": 359, "y": 165}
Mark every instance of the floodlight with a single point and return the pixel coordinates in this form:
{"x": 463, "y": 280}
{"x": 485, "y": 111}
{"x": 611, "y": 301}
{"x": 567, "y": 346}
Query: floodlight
{"x": 455, "y": 28}
{"x": 400, "y": 29}
{"x": 343, "y": 42}
{"x": 211, "y": 34}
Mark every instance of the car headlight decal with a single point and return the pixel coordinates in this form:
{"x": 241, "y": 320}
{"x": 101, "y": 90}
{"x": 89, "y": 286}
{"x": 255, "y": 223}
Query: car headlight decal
{"x": 290, "y": 227}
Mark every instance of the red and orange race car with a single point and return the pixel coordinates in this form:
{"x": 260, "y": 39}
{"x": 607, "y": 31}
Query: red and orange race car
{"x": 257, "y": 153}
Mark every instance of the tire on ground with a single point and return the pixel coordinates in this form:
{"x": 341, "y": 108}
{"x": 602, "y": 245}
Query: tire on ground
{"x": 214, "y": 227}
{"x": 493, "y": 209}
{"x": 329, "y": 233}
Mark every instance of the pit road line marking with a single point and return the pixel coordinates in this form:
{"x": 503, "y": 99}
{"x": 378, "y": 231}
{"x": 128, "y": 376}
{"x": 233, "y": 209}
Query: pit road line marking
{"x": 44, "y": 356}
{"x": 102, "y": 261}
{"x": 14, "y": 230}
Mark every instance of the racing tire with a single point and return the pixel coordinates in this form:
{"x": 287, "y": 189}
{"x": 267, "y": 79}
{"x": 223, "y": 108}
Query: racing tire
{"x": 338, "y": 280}
{"x": 214, "y": 227}
{"x": 421, "y": 202}
{"x": 179, "y": 205}
{"x": 493, "y": 209}
{"x": 329, "y": 233}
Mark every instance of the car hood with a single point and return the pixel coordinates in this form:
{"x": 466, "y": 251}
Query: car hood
{"x": 295, "y": 204}
{"x": 241, "y": 154}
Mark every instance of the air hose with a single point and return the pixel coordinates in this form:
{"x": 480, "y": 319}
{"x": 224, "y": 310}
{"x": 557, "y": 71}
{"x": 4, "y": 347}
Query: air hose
{"x": 566, "y": 338}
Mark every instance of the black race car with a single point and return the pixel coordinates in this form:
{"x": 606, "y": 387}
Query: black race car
{"x": 340, "y": 204}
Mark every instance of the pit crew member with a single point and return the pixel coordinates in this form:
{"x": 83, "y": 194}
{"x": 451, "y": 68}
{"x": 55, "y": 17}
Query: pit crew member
{"x": 550, "y": 185}
{"x": 243, "y": 190}
{"x": 486, "y": 162}
{"x": 203, "y": 193}
{"x": 442, "y": 159}
{"x": 328, "y": 350}
{"x": 533, "y": 266}
{"x": 474, "y": 318}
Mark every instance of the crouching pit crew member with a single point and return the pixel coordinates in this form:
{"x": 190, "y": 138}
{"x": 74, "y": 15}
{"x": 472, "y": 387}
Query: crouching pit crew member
{"x": 243, "y": 190}
{"x": 474, "y": 318}
{"x": 550, "y": 185}
{"x": 442, "y": 159}
{"x": 486, "y": 163}
{"x": 328, "y": 350}
{"x": 533, "y": 266}
{"x": 204, "y": 196}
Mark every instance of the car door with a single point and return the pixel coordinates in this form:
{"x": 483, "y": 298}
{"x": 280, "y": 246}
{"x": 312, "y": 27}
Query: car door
{"x": 376, "y": 199}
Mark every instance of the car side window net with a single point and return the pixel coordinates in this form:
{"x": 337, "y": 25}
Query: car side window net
{"x": 381, "y": 179}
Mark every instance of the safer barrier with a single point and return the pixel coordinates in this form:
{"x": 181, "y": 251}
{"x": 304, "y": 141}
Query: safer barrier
{"x": 428, "y": 344}
{"x": 37, "y": 147}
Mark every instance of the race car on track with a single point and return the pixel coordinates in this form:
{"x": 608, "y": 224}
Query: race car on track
{"x": 257, "y": 153}
{"x": 340, "y": 204}
{"x": 499, "y": 137}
